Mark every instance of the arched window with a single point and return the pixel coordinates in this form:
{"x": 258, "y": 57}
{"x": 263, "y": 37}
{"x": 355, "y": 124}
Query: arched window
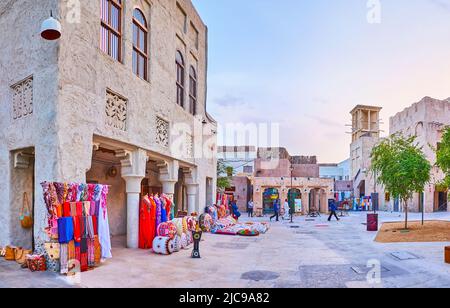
{"x": 192, "y": 91}
{"x": 180, "y": 78}
{"x": 140, "y": 44}
{"x": 111, "y": 24}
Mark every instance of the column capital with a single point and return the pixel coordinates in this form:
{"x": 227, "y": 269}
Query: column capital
{"x": 168, "y": 170}
{"x": 134, "y": 163}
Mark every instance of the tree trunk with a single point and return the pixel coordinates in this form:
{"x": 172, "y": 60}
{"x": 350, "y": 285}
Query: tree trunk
{"x": 406, "y": 214}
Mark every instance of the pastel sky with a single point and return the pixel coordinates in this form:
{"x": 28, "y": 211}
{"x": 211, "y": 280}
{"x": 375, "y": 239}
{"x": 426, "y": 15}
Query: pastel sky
{"x": 306, "y": 63}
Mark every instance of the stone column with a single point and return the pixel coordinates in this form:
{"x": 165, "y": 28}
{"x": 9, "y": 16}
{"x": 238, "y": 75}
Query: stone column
{"x": 192, "y": 191}
{"x": 134, "y": 165}
{"x": 323, "y": 201}
{"x": 305, "y": 202}
{"x": 316, "y": 199}
{"x": 190, "y": 176}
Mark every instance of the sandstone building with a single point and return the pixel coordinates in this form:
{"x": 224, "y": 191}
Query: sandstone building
{"x": 426, "y": 120}
{"x": 278, "y": 175}
{"x": 366, "y": 133}
{"x": 119, "y": 99}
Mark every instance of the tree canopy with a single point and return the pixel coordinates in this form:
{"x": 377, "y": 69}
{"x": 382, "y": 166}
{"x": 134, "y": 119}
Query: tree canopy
{"x": 224, "y": 174}
{"x": 443, "y": 157}
{"x": 402, "y": 167}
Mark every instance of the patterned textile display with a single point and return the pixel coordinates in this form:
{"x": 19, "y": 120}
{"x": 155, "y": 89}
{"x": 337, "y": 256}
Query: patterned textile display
{"x": 163, "y": 245}
{"x": 177, "y": 243}
{"x": 167, "y": 229}
{"x": 185, "y": 225}
{"x": 191, "y": 223}
{"x": 78, "y": 220}
{"x": 229, "y": 226}
{"x": 206, "y": 222}
{"x": 36, "y": 263}
{"x": 184, "y": 241}
{"x": 178, "y": 222}
{"x": 247, "y": 232}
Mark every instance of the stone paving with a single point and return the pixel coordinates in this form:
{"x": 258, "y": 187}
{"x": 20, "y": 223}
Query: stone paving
{"x": 306, "y": 254}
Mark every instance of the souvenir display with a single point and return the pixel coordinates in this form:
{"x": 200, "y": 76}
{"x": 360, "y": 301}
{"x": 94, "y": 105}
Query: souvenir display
{"x": 247, "y": 232}
{"x": 78, "y": 224}
{"x": 177, "y": 243}
{"x": 178, "y": 222}
{"x": 36, "y": 263}
{"x": 163, "y": 245}
{"x": 206, "y": 222}
{"x": 184, "y": 241}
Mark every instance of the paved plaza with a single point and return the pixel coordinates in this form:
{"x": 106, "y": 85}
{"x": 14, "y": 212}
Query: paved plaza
{"x": 309, "y": 253}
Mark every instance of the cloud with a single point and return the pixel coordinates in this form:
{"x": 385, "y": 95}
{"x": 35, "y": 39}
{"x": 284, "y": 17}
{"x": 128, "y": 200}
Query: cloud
{"x": 443, "y": 4}
{"x": 229, "y": 100}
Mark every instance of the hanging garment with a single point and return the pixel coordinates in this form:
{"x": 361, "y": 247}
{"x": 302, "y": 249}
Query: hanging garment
{"x": 65, "y": 230}
{"x": 79, "y": 208}
{"x": 86, "y": 208}
{"x": 66, "y": 209}
{"x": 163, "y": 210}
{"x": 77, "y": 226}
{"x": 84, "y": 262}
{"x": 59, "y": 189}
{"x": 103, "y": 226}
{"x": 91, "y": 192}
{"x": 90, "y": 227}
{"x": 169, "y": 208}
{"x": 71, "y": 251}
{"x": 73, "y": 209}
{"x": 92, "y": 209}
{"x": 97, "y": 251}
{"x": 153, "y": 215}
{"x": 95, "y": 225}
{"x": 145, "y": 230}
{"x": 64, "y": 258}
{"x": 158, "y": 210}
{"x": 91, "y": 252}
{"x": 59, "y": 211}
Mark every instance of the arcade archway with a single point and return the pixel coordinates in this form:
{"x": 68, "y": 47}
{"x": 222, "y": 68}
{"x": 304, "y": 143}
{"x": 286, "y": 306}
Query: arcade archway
{"x": 270, "y": 195}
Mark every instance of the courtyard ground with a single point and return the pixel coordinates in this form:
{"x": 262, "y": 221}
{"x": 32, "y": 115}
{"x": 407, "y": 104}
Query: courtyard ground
{"x": 308, "y": 253}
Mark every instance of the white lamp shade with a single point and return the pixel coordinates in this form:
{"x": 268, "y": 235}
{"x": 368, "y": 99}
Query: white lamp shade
{"x": 51, "y": 29}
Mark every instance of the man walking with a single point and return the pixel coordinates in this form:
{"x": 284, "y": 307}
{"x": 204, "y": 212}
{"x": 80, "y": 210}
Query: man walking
{"x": 250, "y": 207}
{"x": 276, "y": 208}
{"x": 333, "y": 209}
{"x": 287, "y": 210}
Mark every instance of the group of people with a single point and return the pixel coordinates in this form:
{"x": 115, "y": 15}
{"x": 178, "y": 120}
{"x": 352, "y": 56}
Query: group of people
{"x": 288, "y": 212}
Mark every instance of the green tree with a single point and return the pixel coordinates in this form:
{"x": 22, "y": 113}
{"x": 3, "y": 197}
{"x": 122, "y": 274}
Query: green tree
{"x": 402, "y": 168}
{"x": 224, "y": 174}
{"x": 443, "y": 157}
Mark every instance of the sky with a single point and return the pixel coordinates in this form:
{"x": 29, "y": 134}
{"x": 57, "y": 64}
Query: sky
{"x": 306, "y": 63}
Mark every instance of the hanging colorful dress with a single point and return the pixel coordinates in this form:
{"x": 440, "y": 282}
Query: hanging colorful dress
{"x": 158, "y": 210}
{"x": 103, "y": 225}
{"x": 146, "y": 232}
{"x": 153, "y": 214}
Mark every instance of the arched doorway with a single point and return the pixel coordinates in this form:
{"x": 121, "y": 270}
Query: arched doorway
{"x": 295, "y": 199}
{"x": 269, "y": 197}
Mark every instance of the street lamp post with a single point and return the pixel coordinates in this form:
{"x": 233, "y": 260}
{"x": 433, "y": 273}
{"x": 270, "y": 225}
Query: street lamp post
{"x": 291, "y": 208}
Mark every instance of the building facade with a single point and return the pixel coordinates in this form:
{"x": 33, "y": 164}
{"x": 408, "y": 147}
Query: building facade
{"x": 119, "y": 99}
{"x": 278, "y": 175}
{"x": 426, "y": 120}
{"x": 338, "y": 172}
{"x": 366, "y": 134}
{"x": 242, "y": 160}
